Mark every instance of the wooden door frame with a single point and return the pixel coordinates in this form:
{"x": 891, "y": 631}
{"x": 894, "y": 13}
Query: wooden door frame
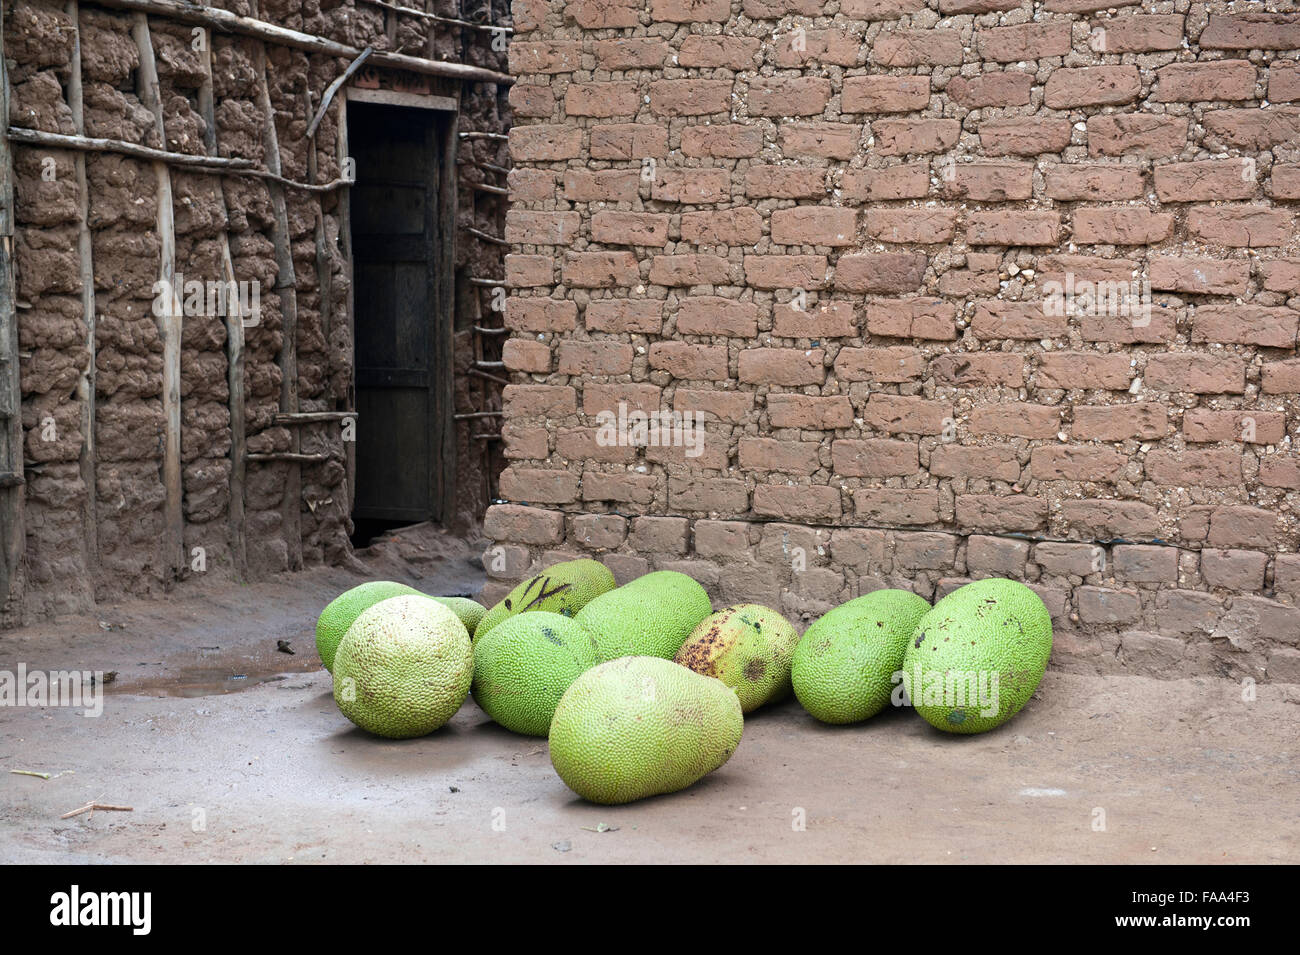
{"x": 442, "y": 290}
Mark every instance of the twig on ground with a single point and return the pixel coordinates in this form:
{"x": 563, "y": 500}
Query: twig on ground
{"x": 90, "y": 807}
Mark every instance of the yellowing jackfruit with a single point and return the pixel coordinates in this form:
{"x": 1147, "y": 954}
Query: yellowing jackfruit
{"x": 748, "y": 647}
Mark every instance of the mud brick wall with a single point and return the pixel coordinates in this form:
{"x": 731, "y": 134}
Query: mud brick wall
{"x": 831, "y": 228}
{"x": 81, "y": 550}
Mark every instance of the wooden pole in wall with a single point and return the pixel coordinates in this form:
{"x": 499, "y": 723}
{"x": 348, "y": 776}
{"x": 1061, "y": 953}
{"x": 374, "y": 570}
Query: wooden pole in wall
{"x": 85, "y": 257}
{"x": 286, "y": 285}
{"x": 324, "y": 270}
{"x": 13, "y": 535}
{"x": 226, "y": 21}
{"x": 447, "y": 189}
{"x": 234, "y": 335}
{"x": 150, "y": 95}
{"x": 324, "y": 260}
{"x": 345, "y": 238}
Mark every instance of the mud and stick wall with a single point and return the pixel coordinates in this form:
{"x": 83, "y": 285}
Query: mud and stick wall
{"x": 89, "y": 242}
{"x": 864, "y": 239}
{"x": 484, "y": 107}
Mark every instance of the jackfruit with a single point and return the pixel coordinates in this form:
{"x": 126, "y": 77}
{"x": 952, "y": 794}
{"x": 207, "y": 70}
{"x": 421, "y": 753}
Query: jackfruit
{"x": 523, "y": 665}
{"x": 642, "y": 726}
{"x": 846, "y": 664}
{"x": 340, "y": 612}
{"x": 650, "y": 616}
{"x": 469, "y": 611}
{"x": 563, "y": 588}
{"x": 403, "y": 668}
{"x": 976, "y": 658}
{"x": 748, "y": 647}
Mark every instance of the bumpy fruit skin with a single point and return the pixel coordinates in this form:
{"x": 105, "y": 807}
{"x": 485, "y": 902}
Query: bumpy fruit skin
{"x": 403, "y": 668}
{"x": 748, "y": 647}
{"x": 642, "y": 726}
{"x": 469, "y": 611}
{"x": 650, "y": 616}
{"x": 523, "y": 666}
{"x": 845, "y": 664}
{"x": 340, "y": 612}
{"x": 991, "y": 627}
{"x": 563, "y": 588}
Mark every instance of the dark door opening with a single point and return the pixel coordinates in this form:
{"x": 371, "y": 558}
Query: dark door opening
{"x": 402, "y": 209}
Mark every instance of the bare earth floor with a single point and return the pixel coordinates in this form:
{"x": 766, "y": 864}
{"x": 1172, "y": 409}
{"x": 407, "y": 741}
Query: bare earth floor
{"x": 265, "y": 769}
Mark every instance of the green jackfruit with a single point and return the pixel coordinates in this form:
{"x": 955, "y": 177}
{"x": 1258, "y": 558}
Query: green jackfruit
{"x": 845, "y": 665}
{"x": 339, "y": 613}
{"x": 523, "y": 665}
{"x": 976, "y": 658}
{"x": 748, "y": 647}
{"x": 650, "y": 616}
{"x": 469, "y": 611}
{"x": 403, "y": 668}
{"x": 642, "y": 726}
{"x": 561, "y": 588}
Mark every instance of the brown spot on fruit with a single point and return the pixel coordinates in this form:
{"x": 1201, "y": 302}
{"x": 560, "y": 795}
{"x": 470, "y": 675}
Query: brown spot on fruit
{"x": 755, "y": 669}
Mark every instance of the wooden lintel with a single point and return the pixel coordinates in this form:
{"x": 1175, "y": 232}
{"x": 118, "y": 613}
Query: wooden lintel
{"x": 403, "y": 98}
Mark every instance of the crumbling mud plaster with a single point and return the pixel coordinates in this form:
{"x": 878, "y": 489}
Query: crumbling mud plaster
{"x": 864, "y": 239}
{"x": 96, "y": 504}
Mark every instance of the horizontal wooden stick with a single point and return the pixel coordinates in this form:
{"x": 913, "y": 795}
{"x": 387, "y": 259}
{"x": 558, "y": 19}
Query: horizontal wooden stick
{"x": 437, "y": 19}
{"x": 484, "y": 165}
{"x": 93, "y": 145}
{"x": 291, "y": 456}
{"x": 212, "y": 165}
{"x": 226, "y": 21}
{"x": 480, "y": 234}
{"x": 309, "y": 417}
{"x": 484, "y": 374}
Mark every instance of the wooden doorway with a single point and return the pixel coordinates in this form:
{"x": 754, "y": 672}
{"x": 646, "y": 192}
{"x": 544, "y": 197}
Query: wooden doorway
{"x": 402, "y": 230}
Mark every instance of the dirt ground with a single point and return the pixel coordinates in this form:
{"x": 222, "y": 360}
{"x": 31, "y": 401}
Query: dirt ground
{"x": 230, "y": 750}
